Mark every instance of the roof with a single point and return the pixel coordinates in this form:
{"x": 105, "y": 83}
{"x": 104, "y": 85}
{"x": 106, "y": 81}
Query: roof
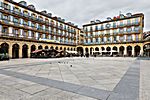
{"x": 133, "y": 16}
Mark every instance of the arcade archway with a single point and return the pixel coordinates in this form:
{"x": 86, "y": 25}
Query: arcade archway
{"x": 4, "y": 48}
{"x": 15, "y": 51}
{"x": 33, "y": 48}
{"x": 129, "y": 51}
{"x": 137, "y": 50}
{"x": 25, "y": 51}
{"x": 80, "y": 50}
{"x": 121, "y": 51}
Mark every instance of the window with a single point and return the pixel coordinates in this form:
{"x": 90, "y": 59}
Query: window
{"x": 5, "y": 6}
{"x": 5, "y": 30}
{"x": 115, "y": 32}
{"x": 5, "y": 17}
{"x": 102, "y": 27}
{"x": 129, "y": 38}
{"x": 25, "y": 13}
{"x": 129, "y": 30}
{"x": 96, "y": 39}
{"x": 16, "y": 20}
{"x": 115, "y": 39}
{"x": 96, "y": 28}
{"x": 25, "y": 33}
{"x": 128, "y": 22}
{"x": 16, "y": 10}
{"x": 136, "y": 37}
{"x": 121, "y": 38}
{"x": 32, "y": 34}
{"x": 121, "y": 24}
{"x": 102, "y": 39}
{"x": 136, "y": 29}
{"x": 114, "y": 25}
{"x": 121, "y": 30}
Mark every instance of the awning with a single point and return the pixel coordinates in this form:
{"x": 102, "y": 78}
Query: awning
{"x": 75, "y": 52}
{"x": 36, "y": 51}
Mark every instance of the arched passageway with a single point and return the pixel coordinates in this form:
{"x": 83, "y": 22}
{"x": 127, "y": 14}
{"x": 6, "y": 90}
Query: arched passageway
{"x": 4, "y": 48}
{"x": 15, "y": 51}
{"x": 46, "y": 47}
{"x": 96, "y": 49}
{"x": 129, "y": 51}
{"x": 121, "y": 51}
{"x": 80, "y": 50}
{"x": 102, "y": 48}
{"x": 115, "y": 48}
{"x": 25, "y": 51}
{"x": 147, "y": 50}
{"x": 108, "y": 49}
{"x": 86, "y": 50}
{"x": 91, "y": 50}
{"x": 33, "y": 48}
{"x": 137, "y": 50}
{"x": 52, "y": 47}
{"x": 56, "y": 48}
{"x": 40, "y": 47}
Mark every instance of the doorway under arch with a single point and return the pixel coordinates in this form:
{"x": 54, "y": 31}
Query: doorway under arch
{"x": 4, "y": 48}
{"x": 137, "y": 50}
{"x": 129, "y": 51}
{"x": 33, "y": 48}
{"x": 15, "y": 51}
{"x": 80, "y": 50}
{"x": 25, "y": 51}
{"x": 121, "y": 51}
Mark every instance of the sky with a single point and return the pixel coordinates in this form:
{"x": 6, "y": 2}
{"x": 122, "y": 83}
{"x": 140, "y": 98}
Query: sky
{"x": 82, "y": 12}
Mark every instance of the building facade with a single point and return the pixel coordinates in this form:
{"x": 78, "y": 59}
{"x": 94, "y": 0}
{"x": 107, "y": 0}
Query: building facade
{"x": 123, "y": 34}
{"x": 23, "y": 29}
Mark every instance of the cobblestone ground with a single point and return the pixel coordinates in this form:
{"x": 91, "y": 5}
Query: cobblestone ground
{"x": 102, "y": 78}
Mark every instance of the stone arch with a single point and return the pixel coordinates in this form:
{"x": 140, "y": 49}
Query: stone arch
{"x": 91, "y": 50}
{"x": 96, "y": 49}
{"x": 64, "y": 48}
{"x": 51, "y": 47}
{"x": 56, "y": 48}
{"x": 25, "y": 51}
{"x": 40, "y": 47}
{"x": 33, "y": 48}
{"x": 137, "y": 49}
{"x": 115, "y": 48}
{"x": 86, "y": 50}
{"x": 80, "y": 50}
{"x": 146, "y": 48}
{"x": 129, "y": 51}
{"x": 15, "y": 51}
{"x": 4, "y": 48}
{"x": 71, "y": 49}
{"x": 68, "y": 48}
{"x": 102, "y": 48}
{"x": 121, "y": 50}
{"x": 108, "y": 49}
{"x": 46, "y": 47}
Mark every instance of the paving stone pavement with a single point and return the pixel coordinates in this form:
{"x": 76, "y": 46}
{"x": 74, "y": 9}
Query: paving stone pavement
{"x": 102, "y": 78}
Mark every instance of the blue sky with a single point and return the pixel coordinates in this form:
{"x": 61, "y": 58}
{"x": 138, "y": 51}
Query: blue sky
{"x": 83, "y": 11}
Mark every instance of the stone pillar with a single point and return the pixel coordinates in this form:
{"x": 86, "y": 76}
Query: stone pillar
{"x": 125, "y": 51}
{"x": 29, "y": 51}
{"x": 141, "y": 51}
{"x": 10, "y": 51}
{"x": 133, "y": 52}
{"x": 20, "y": 51}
